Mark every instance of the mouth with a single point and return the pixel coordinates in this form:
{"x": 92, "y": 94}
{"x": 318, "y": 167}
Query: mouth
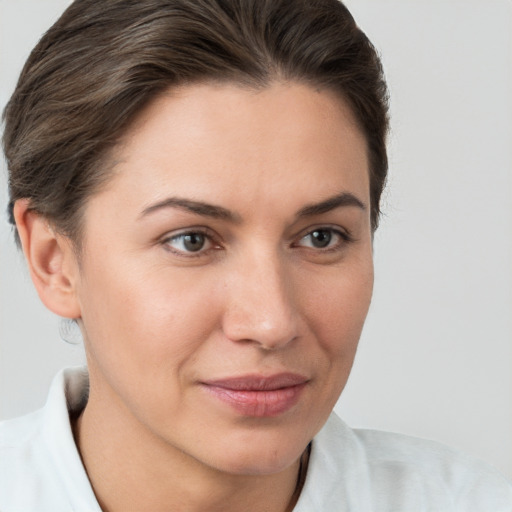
{"x": 258, "y": 396}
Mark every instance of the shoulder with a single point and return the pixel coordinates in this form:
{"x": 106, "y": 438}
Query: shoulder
{"x": 463, "y": 479}
{"x": 40, "y": 468}
{"x": 19, "y": 431}
{"x": 391, "y": 447}
{"x": 383, "y": 471}
{"x": 17, "y": 439}
{"x": 24, "y": 463}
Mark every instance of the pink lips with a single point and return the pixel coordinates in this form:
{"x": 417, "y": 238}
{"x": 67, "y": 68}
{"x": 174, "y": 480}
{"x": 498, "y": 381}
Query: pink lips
{"x": 258, "y": 396}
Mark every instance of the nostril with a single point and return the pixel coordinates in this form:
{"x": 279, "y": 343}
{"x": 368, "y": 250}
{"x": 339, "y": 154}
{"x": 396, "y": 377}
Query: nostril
{"x": 269, "y": 346}
{"x": 261, "y": 305}
{"x": 269, "y": 332}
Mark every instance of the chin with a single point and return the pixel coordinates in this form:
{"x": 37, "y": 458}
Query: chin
{"x": 258, "y": 457}
{"x": 257, "y": 466}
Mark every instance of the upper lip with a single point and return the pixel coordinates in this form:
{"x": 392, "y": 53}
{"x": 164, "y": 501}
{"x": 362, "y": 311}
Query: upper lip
{"x": 256, "y": 382}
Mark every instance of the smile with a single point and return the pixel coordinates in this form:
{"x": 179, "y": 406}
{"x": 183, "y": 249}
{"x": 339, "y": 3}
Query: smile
{"x": 258, "y": 396}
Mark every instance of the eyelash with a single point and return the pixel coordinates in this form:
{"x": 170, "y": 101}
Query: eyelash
{"x": 343, "y": 239}
{"x": 190, "y": 232}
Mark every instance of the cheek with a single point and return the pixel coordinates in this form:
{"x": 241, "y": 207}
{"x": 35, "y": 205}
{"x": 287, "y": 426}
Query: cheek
{"x": 337, "y": 307}
{"x": 141, "y": 320}
{"x": 143, "y": 333}
{"x": 336, "y": 311}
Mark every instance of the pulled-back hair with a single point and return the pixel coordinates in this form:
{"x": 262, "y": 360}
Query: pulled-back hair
{"x": 103, "y": 61}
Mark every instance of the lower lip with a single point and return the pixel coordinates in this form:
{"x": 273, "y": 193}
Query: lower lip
{"x": 259, "y": 404}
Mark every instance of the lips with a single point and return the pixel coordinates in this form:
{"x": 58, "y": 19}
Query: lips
{"x": 256, "y": 395}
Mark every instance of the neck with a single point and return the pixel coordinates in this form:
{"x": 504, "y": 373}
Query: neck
{"x": 132, "y": 469}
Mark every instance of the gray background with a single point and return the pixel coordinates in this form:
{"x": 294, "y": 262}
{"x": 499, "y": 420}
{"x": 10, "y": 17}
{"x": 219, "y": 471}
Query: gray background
{"x": 435, "y": 358}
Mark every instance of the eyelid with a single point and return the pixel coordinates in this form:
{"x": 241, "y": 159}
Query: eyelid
{"x": 206, "y": 232}
{"x": 344, "y": 234}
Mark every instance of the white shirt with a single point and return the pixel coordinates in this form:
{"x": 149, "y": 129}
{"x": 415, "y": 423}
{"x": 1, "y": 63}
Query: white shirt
{"x": 349, "y": 470}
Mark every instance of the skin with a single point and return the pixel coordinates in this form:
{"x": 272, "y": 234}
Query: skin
{"x": 259, "y": 297}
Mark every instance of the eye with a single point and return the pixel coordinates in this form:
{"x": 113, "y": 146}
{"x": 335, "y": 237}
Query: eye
{"x": 324, "y": 238}
{"x": 189, "y": 242}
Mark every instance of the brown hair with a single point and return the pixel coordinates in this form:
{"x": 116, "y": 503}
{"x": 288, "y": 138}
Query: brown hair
{"x": 101, "y": 63}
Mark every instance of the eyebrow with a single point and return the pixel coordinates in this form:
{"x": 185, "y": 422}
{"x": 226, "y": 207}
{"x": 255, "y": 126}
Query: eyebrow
{"x": 345, "y": 199}
{"x": 197, "y": 207}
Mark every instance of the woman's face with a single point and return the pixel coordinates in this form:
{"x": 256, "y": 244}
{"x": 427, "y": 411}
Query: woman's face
{"x": 227, "y": 272}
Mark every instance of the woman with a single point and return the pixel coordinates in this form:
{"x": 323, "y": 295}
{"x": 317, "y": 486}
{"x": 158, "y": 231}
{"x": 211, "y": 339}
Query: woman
{"x": 197, "y": 184}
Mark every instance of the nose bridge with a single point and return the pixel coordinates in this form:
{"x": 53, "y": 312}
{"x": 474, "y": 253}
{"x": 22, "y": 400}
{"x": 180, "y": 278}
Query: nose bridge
{"x": 261, "y": 306}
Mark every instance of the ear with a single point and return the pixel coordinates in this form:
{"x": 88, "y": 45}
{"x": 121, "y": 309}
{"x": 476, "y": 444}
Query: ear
{"x": 51, "y": 260}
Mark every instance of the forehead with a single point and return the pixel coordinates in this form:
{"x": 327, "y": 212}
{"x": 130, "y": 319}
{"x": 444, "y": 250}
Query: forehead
{"x": 226, "y": 141}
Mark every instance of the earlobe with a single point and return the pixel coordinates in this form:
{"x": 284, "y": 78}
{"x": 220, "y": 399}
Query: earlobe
{"x": 51, "y": 261}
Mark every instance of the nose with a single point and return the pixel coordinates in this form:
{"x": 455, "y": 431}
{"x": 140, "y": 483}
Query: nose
{"x": 260, "y": 304}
